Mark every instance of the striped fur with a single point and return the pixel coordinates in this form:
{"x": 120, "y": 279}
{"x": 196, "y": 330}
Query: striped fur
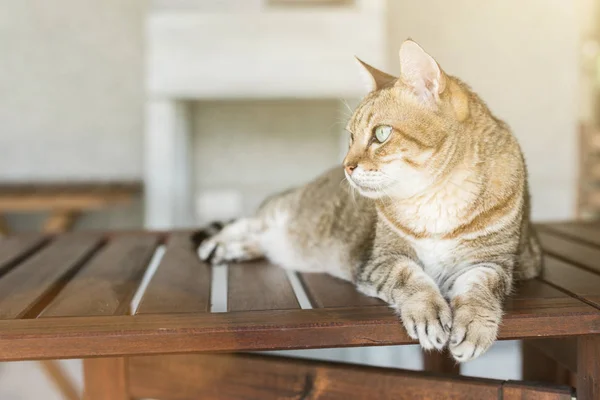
{"x": 440, "y": 225}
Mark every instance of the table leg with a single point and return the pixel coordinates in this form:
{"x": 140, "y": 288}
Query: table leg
{"x": 440, "y": 362}
{"x": 58, "y": 378}
{"x": 105, "y": 379}
{"x": 4, "y": 228}
{"x": 539, "y": 367}
{"x": 60, "y": 221}
{"x": 588, "y": 368}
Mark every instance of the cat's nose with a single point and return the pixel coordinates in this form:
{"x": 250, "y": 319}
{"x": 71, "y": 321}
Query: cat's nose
{"x": 349, "y": 169}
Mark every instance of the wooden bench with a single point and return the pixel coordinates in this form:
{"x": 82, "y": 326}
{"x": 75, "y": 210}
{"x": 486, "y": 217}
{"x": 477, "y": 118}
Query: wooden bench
{"x": 137, "y": 307}
{"x": 65, "y": 202}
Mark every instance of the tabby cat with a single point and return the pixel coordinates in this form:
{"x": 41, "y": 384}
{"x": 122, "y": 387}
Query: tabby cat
{"x": 441, "y": 227}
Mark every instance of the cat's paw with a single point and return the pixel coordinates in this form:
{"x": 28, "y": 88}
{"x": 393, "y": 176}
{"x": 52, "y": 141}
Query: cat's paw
{"x": 427, "y": 318}
{"x": 474, "y": 330}
{"x": 218, "y": 250}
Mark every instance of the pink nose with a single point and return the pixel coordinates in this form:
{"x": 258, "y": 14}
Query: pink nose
{"x": 349, "y": 169}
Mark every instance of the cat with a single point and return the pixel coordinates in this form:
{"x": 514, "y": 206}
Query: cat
{"x": 440, "y": 228}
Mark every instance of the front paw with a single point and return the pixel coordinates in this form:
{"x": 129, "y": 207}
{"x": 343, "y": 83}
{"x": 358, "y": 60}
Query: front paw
{"x": 427, "y": 318}
{"x": 474, "y": 329}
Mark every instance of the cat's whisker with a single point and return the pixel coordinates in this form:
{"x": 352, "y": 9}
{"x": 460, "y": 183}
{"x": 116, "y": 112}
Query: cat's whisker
{"x": 344, "y": 102}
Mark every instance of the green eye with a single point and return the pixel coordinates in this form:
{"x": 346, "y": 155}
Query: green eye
{"x": 382, "y": 133}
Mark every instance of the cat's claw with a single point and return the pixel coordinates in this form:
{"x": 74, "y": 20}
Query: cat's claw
{"x": 217, "y": 250}
{"x": 207, "y": 249}
{"x": 474, "y": 330}
{"x": 427, "y": 320}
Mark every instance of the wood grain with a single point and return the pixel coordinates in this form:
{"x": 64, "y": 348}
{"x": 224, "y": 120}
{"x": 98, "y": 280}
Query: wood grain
{"x": 588, "y": 368}
{"x": 259, "y": 286}
{"x": 45, "y": 271}
{"x": 105, "y": 379}
{"x": 15, "y": 249}
{"x": 259, "y": 330}
{"x": 107, "y": 283}
{"x": 522, "y": 391}
{"x": 262, "y": 377}
{"x": 325, "y": 291}
{"x": 181, "y": 283}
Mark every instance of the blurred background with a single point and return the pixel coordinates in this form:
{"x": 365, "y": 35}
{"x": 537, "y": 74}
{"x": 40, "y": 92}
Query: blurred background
{"x": 123, "y": 114}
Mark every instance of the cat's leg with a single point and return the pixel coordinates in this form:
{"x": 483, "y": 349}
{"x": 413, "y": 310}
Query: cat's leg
{"x": 238, "y": 241}
{"x": 476, "y": 298}
{"x": 403, "y": 284}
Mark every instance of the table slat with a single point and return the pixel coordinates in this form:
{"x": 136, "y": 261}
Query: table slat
{"x": 259, "y": 286}
{"x": 23, "y": 287}
{"x": 576, "y": 252}
{"x": 579, "y": 282}
{"x": 67, "y": 337}
{"x": 325, "y": 291}
{"x": 107, "y": 283}
{"x": 181, "y": 283}
{"x": 14, "y": 249}
{"x": 541, "y": 296}
{"x": 583, "y": 231}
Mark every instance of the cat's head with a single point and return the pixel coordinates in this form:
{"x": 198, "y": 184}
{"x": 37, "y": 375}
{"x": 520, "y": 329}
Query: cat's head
{"x": 403, "y": 132}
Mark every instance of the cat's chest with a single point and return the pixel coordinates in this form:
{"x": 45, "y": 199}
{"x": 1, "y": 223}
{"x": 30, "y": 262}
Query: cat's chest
{"x": 437, "y": 256}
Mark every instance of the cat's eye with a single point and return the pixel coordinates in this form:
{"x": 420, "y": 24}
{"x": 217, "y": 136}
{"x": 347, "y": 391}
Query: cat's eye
{"x": 382, "y": 133}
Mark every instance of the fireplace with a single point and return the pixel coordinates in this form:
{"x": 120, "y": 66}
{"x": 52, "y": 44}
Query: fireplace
{"x": 205, "y": 60}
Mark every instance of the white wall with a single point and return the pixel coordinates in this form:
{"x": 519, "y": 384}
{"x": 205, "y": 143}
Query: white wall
{"x": 71, "y": 89}
{"x": 261, "y": 147}
{"x": 522, "y": 58}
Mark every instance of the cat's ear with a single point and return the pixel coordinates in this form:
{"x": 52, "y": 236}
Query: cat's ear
{"x": 374, "y": 78}
{"x": 421, "y": 72}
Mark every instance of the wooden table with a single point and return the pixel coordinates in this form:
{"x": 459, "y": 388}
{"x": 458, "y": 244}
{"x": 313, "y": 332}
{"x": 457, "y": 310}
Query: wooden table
{"x": 124, "y": 300}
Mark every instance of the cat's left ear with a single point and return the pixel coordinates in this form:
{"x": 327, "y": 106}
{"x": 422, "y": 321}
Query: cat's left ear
{"x": 421, "y": 72}
{"x": 374, "y": 78}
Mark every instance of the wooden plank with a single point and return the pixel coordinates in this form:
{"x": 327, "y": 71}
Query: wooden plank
{"x": 262, "y": 377}
{"x": 586, "y": 232}
{"x": 181, "y": 283}
{"x": 579, "y": 282}
{"x": 105, "y": 379}
{"x": 584, "y": 255}
{"x": 261, "y": 330}
{"x": 57, "y": 196}
{"x": 107, "y": 283}
{"x": 15, "y": 249}
{"x": 588, "y": 368}
{"x": 522, "y": 391}
{"x": 23, "y": 289}
{"x": 259, "y": 285}
{"x": 325, "y": 291}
